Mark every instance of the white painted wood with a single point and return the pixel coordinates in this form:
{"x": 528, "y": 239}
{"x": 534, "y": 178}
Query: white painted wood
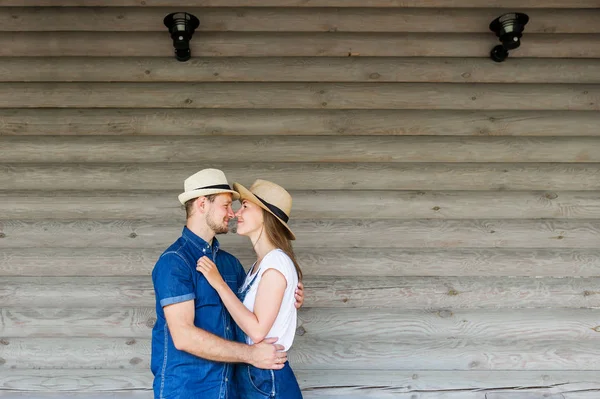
{"x": 326, "y": 291}
{"x": 325, "y": 204}
{"x": 398, "y": 262}
{"x": 302, "y": 95}
{"x": 298, "y": 69}
{"x": 397, "y": 325}
{"x": 121, "y": 149}
{"x": 307, "y": 176}
{"x": 258, "y": 122}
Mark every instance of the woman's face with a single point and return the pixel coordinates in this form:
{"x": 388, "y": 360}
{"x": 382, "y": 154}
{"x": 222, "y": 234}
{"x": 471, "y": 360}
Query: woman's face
{"x": 249, "y": 218}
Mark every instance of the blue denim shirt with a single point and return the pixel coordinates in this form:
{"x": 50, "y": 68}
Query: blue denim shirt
{"x": 179, "y": 374}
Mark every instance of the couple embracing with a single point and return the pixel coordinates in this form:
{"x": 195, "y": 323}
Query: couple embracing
{"x": 222, "y": 333}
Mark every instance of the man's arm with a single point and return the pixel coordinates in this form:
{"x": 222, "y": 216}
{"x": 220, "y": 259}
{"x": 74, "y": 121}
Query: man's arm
{"x": 189, "y": 338}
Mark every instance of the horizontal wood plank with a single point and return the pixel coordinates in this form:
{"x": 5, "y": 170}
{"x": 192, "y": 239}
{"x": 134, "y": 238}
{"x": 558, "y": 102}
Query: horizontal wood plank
{"x": 360, "y": 392}
{"x": 307, "y": 176}
{"x": 396, "y": 325}
{"x": 258, "y": 44}
{"x": 320, "y": 261}
{"x": 264, "y": 19}
{"x": 325, "y": 204}
{"x": 451, "y": 354}
{"x": 258, "y": 122}
{"x": 301, "y": 95}
{"x": 402, "y": 325}
{"x": 310, "y": 3}
{"x": 326, "y": 291}
{"x": 120, "y": 149}
{"x": 337, "y": 233}
{"x": 298, "y": 69}
{"x": 323, "y": 354}
{"x": 315, "y": 383}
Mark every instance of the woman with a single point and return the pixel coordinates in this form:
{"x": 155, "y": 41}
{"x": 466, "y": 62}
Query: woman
{"x": 264, "y": 306}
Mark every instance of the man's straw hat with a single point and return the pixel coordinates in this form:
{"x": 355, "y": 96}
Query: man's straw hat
{"x": 206, "y": 182}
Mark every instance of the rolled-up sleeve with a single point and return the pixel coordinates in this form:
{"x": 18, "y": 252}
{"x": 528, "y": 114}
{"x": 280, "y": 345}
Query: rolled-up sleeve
{"x": 172, "y": 278}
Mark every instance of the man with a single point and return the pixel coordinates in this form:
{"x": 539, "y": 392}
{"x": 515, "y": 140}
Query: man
{"x": 193, "y": 338}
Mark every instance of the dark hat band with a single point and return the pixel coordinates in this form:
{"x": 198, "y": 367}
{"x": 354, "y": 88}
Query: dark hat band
{"x": 276, "y": 211}
{"x": 219, "y": 186}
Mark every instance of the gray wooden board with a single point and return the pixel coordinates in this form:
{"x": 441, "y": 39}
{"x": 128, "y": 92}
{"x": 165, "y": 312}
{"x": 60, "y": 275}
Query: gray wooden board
{"x": 307, "y": 176}
{"x": 302, "y": 95}
{"x": 321, "y": 204}
{"x": 326, "y": 291}
{"x": 313, "y": 122}
{"x": 548, "y": 262}
{"x": 337, "y": 233}
{"x": 389, "y": 325}
{"x": 311, "y": 44}
{"x": 336, "y": 383}
{"x": 368, "y": 149}
{"x": 324, "y": 354}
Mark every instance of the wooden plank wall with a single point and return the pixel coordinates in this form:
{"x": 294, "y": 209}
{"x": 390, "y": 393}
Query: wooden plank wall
{"x": 447, "y": 207}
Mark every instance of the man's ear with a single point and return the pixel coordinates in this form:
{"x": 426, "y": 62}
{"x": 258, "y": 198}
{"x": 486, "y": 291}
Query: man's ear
{"x": 200, "y": 205}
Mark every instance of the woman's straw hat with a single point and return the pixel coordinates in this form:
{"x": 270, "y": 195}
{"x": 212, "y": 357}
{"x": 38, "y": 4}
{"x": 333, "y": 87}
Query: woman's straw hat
{"x": 271, "y": 197}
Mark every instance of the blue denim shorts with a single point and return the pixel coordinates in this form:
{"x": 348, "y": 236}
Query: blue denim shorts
{"x": 255, "y": 383}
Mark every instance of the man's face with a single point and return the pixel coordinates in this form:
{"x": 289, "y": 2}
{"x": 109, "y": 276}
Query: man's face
{"x": 219, "y": 212}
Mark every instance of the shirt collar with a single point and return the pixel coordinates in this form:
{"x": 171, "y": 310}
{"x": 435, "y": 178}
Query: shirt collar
{"x": 198, "y": 241}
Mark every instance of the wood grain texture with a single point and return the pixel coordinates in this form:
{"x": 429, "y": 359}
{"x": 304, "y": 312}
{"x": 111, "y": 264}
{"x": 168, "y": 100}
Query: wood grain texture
{"x": 259, "y": 122}
{"x": 302, "y": 95}
{"x": 298, "y": 69}
{"x": 336, "y": 383}
{"x": 119, "y": 149}
{"x": 338, "y": 233}
{"x": 85, "y": 323}
{"x": 324, "y": 354}
{"x": 307, "y": 176}
{"x": 351, "y": 393}
{"x": 320, "y": 261}
{"x": 310, "y": 3}
{"x": 326, "y": 291}
{"x": 474, "y": 20}
{"x": 267, "y": 44}
{"x": 322, "y": 204}
{"x": 452, "y": 354}
{"x": 391, "y": 325}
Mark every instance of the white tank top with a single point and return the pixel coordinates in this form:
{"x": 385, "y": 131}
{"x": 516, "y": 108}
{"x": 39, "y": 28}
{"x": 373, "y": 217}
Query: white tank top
{"x": 284, "y": 326}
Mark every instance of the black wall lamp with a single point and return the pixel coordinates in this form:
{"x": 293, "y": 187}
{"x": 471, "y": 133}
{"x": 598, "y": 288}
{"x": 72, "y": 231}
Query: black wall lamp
{"x": 181, "y": 26}
{"x": 509, "y": 28}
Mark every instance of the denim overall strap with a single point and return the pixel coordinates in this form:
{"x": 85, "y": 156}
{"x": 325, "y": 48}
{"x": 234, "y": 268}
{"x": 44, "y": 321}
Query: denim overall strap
{"x": 243, "y": 291}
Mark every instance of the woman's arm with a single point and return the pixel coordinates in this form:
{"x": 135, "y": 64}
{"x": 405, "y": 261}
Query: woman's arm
{"x": 266, "y": 306}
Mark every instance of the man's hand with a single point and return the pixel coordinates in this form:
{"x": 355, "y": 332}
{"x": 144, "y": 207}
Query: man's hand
{"x": 299, "y": 295}
{"x": 268, "y": 355}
